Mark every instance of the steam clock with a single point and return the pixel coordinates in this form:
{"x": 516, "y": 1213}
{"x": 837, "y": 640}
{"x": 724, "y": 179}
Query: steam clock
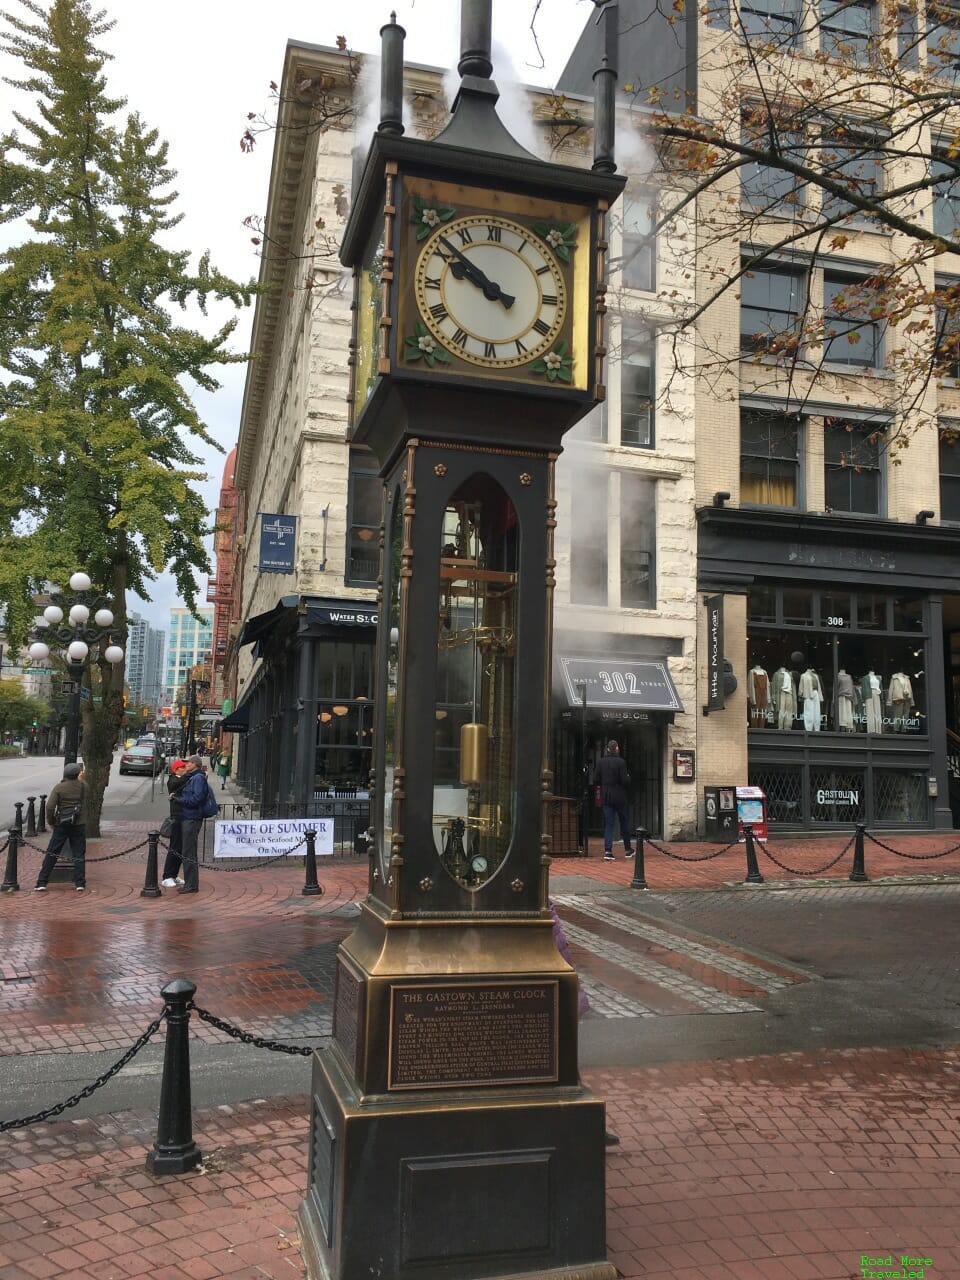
{"x": 451, "y": 1137}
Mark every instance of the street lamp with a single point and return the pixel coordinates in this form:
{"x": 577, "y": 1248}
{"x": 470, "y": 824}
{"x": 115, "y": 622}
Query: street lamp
{"x": 74, "y": 637}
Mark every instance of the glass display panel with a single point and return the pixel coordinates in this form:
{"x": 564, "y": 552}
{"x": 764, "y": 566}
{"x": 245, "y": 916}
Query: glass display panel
{"x": 474, "y": 792}
{"x": 838, "y": 795}
{"x": 390, "y": 673}
{"x": 871, "y": 612}
{"x": 762, "y": 604}
{"x": 900, "y": 795}
{"x": 797, "y": 605}
{"x": 835, "y": 609}
{"x": 908, "y": 614}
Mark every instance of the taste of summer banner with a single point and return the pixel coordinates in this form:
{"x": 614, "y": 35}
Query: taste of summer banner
{"x": 268, "y": 837}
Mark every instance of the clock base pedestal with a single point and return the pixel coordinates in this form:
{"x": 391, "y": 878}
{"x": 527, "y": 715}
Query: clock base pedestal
{"x": 500, "y": 1183}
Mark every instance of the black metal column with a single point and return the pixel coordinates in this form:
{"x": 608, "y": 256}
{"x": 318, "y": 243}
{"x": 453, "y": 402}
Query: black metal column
{"x": 305, "y": 761}
{"x": 936, "y": 714}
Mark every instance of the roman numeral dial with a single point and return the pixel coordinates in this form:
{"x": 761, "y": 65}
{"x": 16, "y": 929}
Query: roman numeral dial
{"x": 490, "y": 291}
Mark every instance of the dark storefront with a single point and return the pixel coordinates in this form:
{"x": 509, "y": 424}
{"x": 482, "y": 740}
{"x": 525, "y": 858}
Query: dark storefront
{"x": 625, "y": 696}
{"x": 309, "y": 707}
{"x": 844, "y": 669}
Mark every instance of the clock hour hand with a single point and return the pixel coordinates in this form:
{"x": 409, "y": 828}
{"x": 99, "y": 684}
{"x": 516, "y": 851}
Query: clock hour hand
{"x": 463, "y": 268}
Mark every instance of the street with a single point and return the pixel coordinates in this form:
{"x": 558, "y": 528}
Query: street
{"x": 125, "y": 797}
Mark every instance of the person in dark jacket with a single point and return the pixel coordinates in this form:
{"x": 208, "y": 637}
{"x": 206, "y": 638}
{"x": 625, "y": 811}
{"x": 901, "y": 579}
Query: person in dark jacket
{"x": 612, "y": 778}
{"x": 193, "y": 799}
{"x": 65, "y": 819}
{"x": 172, "y": 864}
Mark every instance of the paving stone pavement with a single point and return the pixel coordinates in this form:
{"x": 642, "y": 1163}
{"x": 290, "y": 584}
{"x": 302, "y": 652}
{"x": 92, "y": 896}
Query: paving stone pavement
{"x": 789, "y": 1165}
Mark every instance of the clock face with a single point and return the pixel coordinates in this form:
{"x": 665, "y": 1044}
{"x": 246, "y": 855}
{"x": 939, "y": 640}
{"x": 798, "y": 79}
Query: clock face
{"x": 490, "y": 291}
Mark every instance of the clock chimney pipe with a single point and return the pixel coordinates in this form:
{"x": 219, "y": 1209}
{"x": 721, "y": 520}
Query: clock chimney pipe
{"x": 475, "y": 28}
{"x": 604, "y": 91}
{"x": 391, "y": 77}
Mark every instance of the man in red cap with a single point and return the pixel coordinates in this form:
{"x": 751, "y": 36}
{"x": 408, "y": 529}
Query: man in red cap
{"x": 172, "y": 865}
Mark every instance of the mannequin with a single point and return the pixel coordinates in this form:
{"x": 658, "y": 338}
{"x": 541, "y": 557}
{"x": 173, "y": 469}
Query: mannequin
{"x": 900, "y": 701}
{"x": 758, "y": 695}
{"x": 845, "y": 699}
{"x": 783, "y": 694}
{"x": 871, "y": 702}
{"x": 811, "y": 691}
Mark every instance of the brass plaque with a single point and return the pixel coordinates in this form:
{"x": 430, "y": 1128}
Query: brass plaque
{"x": 348, "y": 1013}
{"x": 454, "y": 1033}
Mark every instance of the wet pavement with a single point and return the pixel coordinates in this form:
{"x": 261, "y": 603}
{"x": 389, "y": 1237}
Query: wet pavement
{"x": 780, "y": 1062}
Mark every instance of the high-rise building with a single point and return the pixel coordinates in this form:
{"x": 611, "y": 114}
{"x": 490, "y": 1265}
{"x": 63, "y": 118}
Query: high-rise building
{"x": 144, "y": 658}
{"x": 190, "y": 640}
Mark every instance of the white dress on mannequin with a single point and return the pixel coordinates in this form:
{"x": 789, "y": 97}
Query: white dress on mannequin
{"x": 784, "y": 695}
{"x": 845, "y": 699}
{"x": 811, "y": 691}
{"x": 872, "y": 702}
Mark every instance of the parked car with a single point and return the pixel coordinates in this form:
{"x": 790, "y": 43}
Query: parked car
{"x": 142, "y": 759}
{"x": 146, "y": 738}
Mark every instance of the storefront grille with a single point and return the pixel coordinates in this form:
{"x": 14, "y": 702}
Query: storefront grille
{"x": 900, "y": 796}
{"x": 783, "y": 788}
{"x": 838, "y": 795}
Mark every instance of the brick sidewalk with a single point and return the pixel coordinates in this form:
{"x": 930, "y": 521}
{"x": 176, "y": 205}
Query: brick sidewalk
{"x": 785, "y": 1167}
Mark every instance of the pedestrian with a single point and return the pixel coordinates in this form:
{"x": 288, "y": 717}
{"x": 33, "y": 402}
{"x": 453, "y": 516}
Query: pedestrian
{"x": 224, "y": 761}
{"x": 612, "y": 778}
{"x": 197, "y": 802}
{"x": 65, "y": 819}
{"x": 172, "y": 863}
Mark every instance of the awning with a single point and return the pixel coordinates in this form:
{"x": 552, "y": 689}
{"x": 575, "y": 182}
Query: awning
{"x": 350, "y": 613}
{"x": 318, "y": 611}
{"x": 623, "y": 684}
{"x": 237, "y": 721}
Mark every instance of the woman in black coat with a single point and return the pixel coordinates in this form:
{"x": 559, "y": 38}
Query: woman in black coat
{"x": 172, "y": 863}
{"x": 613, "y": 780}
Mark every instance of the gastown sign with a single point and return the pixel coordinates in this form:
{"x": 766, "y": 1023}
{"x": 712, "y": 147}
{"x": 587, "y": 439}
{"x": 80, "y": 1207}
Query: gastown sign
{"x": 849, "y": 799}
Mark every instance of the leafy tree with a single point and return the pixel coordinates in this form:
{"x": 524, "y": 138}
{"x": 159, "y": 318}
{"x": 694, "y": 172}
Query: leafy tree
{"x": 95, "y": 411}
{"x": 18, "y": 710}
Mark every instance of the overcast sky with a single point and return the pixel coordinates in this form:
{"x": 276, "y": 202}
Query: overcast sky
{"x": 193, "y": 69}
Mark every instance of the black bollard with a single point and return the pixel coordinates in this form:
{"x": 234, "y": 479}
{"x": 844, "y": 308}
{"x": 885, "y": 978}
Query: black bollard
{"x": 42, "y": 816}
{"x": 311, "y": 889}
{"x": 753, "y": 871}
{"x": 639, "y": 880}
{"x": 151, "y": 887}
{"x": 859, "y": 871}
{"x": 31, "y": 815}
{"x": 10, "y": 883}
{"x": 18, "y": 820}
{"x": 175, "y": 1150}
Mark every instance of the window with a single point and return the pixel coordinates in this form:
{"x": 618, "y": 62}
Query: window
{"x": 946, "y": 197}
{"x": 851, "y": 454}
{"x": 850, "y": 335}
{"x": 363, "y": 521}
{"x": 639, "y": 243}
{"x": 774, "y": 21}
{"x": 771, "y": 301}
{"x": 908, "y": 38}
{"x": 947, "y": 351}
{"x": 769, "y": 458}
{"x": 846, "y": 29}
{"x": 854, "y": 161}
{"x": 943, "y": 38}
{"x": 588, "y": 552}
{"x": 638, "y": 539}
{"x": 764, "y": 186}
{"x": 637, "y": 378}
{"x": 949, "y": 476}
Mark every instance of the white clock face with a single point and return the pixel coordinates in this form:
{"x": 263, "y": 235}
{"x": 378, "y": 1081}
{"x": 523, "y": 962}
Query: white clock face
{"x": 490, "y": 291}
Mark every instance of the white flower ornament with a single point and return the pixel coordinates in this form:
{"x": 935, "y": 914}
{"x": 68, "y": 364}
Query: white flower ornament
{"x": 427, "y": 345}
{"x": 552, "y": 360}
{"x": 554, "y": 238}
{"x": 431, "y": 217}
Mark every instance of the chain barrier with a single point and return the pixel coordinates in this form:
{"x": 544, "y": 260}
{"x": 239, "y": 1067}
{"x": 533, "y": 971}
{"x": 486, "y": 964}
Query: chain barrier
{"x": 914, "y": 857}
{"x": 253, "y": 866}
{"x": 246, "y": 1037}
{"x": 678, "y": 857}
{"x": 59, "y": 1107}
{"x": 106, "y": 857}
{"x": 819, "y": 870}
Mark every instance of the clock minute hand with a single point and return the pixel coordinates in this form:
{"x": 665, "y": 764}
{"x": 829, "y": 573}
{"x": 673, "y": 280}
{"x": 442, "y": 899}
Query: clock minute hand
{"x": 464, "y": 268}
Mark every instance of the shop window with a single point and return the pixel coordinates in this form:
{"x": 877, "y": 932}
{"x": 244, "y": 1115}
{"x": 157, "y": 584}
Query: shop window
{"x": 588, "y": 550}
{"x": 363, "y": 526}
{"x": 872, "y": 612}
{"x": 838, "y": 796}
{"x": 854, "y": 161}
{"x": 950, "y": 477}
{"x": 639, "y": 242}
{"x": 771, "y": 21}
{"x": 783, "y": 787}
{"x": 762, "y": 604}
{"x": 769, "y": 458}
{"x": 900, "y": 795}
{"x": 797, "y": 605}
{"x": 846, "y": 30}
{"x": 908, "y": 614}
{"x": 771, "y": 302}
{"x": 852, "y": 467}
{"x": 765, "y": 186}
{"x": 947, "y": 350}
{"x": 637, "y": 382}
{"x": 638, "y": 536}
{"x": 850, "y": 335}
{"x": 946, "y": 197}
{"x": 835, "y": 609}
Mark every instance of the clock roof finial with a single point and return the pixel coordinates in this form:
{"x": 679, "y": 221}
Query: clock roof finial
{"x": 474, "y": 124}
